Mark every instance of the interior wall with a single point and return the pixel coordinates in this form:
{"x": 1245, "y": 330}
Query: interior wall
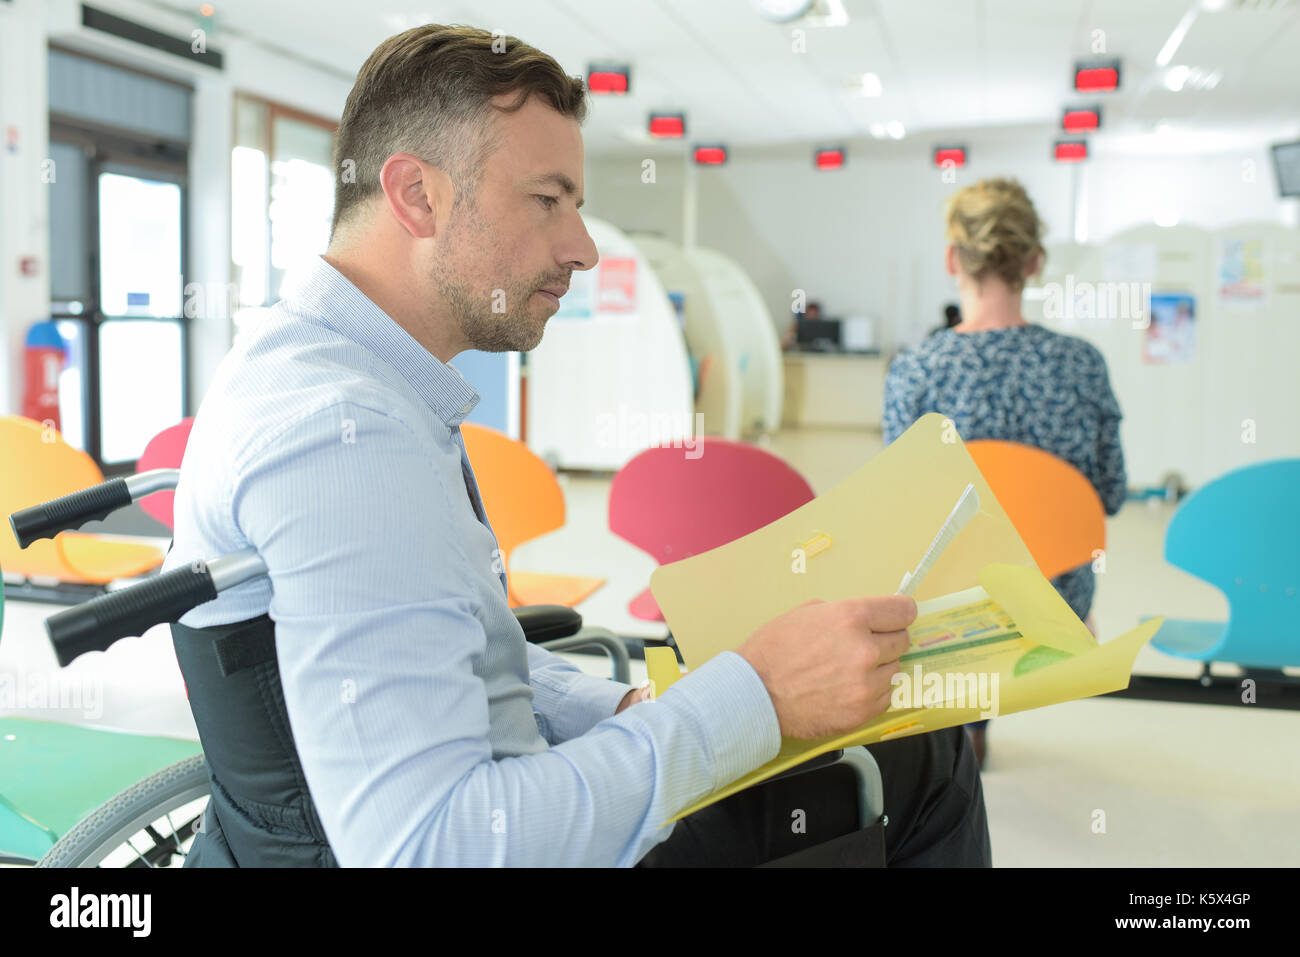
{"x": 247, "y": 68}
{"x": 864, "y": 240}
{"x": 868, "y": 239}
{"x": 24, "y": 187}
{"x": 27, "y": 27}
{"x": 1211, "y": 190}
{"x": 1226, "y": 396}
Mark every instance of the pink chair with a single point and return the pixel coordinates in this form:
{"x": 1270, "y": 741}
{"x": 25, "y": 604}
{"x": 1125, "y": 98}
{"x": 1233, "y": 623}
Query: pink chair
{"x": 164, "y": 451}
{"x": 673, "y": 507}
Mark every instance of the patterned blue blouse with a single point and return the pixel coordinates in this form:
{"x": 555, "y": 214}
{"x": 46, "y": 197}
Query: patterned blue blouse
{"x": 1022, "y": 384}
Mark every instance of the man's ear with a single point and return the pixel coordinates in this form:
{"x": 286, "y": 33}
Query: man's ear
{"x": 418, "y": 194}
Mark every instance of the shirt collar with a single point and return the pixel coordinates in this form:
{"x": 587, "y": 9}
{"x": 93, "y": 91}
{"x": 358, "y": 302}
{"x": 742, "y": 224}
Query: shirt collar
{"x": 327, "y": 294}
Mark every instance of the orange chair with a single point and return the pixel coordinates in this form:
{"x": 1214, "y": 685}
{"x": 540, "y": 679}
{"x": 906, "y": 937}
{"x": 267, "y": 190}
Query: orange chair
{"x": 1051, "y": 503}
{"x": 38, "y": 466}
{"x": 702, "y": 374}
{"x": 522, "y": 500}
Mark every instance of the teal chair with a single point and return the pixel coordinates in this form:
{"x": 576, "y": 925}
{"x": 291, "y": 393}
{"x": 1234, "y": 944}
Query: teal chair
{"x": 1241, "y": 533}
{"x": 52, "y": 775}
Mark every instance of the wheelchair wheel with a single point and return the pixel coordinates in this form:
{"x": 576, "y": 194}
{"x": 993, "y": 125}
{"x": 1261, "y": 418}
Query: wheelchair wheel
{"x": 150, "y": 824}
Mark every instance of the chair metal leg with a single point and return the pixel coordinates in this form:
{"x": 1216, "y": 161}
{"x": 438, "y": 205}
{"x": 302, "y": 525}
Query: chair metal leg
{"x": 602, "y": 638}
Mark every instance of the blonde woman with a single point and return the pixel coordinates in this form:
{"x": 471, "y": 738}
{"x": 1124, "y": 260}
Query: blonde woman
{"x": 999, "y": 377}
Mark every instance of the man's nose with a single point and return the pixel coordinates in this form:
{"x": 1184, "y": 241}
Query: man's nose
{"x": 579, "y": 251}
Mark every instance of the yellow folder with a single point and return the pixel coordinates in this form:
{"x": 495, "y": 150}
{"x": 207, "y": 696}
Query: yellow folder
{"x": 992, "y": 636}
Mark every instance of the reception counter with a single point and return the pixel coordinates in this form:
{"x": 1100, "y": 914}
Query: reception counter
{"x": 834, "y": 389}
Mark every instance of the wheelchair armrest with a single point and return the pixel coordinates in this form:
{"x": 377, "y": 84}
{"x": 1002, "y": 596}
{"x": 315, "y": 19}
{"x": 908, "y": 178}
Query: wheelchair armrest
{"x": 559, "y": 628}
{"x": 548, "y": 622}
{"x": 812, "y": 764}
{"x": 870, "y": 788}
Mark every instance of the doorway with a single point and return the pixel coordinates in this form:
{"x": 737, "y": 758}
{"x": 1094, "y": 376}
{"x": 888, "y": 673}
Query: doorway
{"x": 118, "y": 226}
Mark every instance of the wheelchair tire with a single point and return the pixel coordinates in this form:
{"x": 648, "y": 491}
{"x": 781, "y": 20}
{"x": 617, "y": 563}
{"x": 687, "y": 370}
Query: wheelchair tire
{"x": 139, "y": 808}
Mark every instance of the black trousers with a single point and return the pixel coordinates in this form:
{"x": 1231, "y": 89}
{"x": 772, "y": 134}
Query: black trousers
{"x": 933, "y": 801}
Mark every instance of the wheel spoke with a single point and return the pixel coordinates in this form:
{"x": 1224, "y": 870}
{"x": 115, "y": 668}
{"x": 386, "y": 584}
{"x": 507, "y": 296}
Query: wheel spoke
{"x": 166, "y": 808}
{"x": 144, "y": 861}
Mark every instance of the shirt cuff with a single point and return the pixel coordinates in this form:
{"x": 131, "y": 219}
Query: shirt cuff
{"x": 574, "y": 705}
{"x": 733, "y": 713}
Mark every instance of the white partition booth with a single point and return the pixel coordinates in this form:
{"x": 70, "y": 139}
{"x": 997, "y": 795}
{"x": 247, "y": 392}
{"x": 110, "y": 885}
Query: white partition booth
{"x": 736, "y": 299}
{"x": 721, "y": 392}
{"x": 1252, "y": 404}
{"x": 1201, "y": 335}
{"x": 725, "y": 319}
{"x": 611, "y": 376}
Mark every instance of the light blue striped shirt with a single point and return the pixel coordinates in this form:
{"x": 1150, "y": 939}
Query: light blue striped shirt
{"x": 430, "y": 731}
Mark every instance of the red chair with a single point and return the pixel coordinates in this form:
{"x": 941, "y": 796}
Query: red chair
{"x": 164, "y": 451}
{"x": 672, "y": 506}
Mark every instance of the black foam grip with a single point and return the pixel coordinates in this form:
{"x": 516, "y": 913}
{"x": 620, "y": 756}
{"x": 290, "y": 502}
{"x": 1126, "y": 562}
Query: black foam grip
{"x": 70, "y": 511}
{"x": 547, "y": 622}
{"x": 96, "y": 624}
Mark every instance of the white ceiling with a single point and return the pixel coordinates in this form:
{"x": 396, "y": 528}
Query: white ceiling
{"x": 944, "y": 64}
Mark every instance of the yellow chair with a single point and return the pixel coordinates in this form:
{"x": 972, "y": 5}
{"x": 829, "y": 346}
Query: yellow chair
{"x": 523, "y": 500}
{"x": 38, "y": 466}
{"x": 1052, "y": 504}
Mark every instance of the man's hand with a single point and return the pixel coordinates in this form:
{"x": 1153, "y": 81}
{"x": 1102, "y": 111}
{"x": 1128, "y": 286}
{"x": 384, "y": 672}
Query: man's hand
{"x": 635, "y": 696}
{"x": 827, "y": 664}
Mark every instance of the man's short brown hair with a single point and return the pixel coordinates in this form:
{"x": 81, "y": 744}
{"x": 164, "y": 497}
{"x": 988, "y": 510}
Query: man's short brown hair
{"x": 428, "y": 92}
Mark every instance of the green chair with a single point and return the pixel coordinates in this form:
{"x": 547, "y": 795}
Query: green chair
{"x": 52, "y": 774}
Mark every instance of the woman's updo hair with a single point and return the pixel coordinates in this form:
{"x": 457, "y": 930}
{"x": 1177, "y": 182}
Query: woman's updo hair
{"x": 995, "y": 230}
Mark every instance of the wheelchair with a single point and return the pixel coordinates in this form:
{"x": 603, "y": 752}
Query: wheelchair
{"x": 153, "y": 823}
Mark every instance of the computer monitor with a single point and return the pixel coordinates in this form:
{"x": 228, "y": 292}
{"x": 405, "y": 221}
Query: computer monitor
{"x": 1286, "y": 163}
{"x": 818, "y": 333}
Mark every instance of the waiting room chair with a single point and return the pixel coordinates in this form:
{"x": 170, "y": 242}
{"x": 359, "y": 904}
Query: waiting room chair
{"x": 1053, "y": 506}
{"x": 863, "y": 847}
{"x": 700, "y": 373}
{"x": 523, "y": 500}
{"x": 52, "y": 774}
{"x": 165, "y": 450}
{"x": 1241, "y": 533}
{"x": 39, "y": 466}
{"x": 672, "y": 506}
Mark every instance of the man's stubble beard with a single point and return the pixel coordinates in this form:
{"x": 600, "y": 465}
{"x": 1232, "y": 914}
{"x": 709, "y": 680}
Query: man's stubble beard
{"x": 496, "y": 319}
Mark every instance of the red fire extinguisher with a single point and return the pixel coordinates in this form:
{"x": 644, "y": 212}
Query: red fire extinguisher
{"x": 43, "y": 359}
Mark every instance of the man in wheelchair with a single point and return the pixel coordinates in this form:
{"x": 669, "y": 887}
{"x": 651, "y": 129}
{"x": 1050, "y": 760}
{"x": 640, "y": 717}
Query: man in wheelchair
{"x": 374, "y": 702}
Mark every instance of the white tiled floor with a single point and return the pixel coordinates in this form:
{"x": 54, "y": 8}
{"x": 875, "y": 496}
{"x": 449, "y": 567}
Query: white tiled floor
{"x": 1178, "y": 784}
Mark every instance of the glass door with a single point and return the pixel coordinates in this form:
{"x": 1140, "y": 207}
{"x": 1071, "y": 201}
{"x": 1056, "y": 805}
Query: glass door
{"x": 140, "y": 330}
{"x": 118, "y": 161}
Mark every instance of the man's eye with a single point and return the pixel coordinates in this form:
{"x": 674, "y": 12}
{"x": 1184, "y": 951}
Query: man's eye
{"x": 550, "y": 202}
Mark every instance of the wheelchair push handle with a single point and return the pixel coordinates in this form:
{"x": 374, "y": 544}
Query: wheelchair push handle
{"x": 97, "y": 502}
{"x": 128, "y": 612}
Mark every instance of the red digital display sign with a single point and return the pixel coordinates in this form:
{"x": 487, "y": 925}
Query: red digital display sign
{"x": 1097, "y": 77}
{"x": 668, "y": 125}
{"x": 1070, "y": 152}
{"x": 949, "y": 156}
{"x": 607, "y": 80}
{"x": 1082, "y": 120}
{"x": 710, "y": 155}
{"x": 829, "y": 158}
